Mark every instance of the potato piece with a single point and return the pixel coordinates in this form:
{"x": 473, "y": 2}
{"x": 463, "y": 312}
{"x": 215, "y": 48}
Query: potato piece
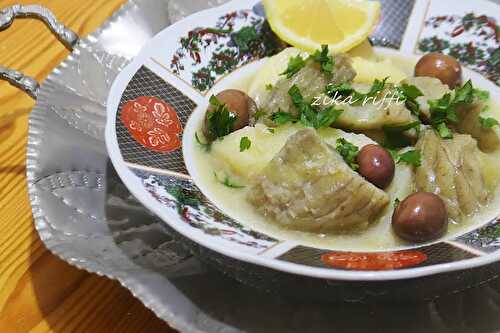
{"x": 265, "y": 145}
{"x": 488, "y": 139}
{"x": 431, "y": 87}
{"x": 263, "y": 148}
{"x": 270, "y": 72}
{"x": 364, "y": 50}
{"x": 369, "y": 70}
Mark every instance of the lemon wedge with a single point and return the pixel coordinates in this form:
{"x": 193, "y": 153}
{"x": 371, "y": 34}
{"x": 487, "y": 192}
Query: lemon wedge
{"x": 308, "y": 24}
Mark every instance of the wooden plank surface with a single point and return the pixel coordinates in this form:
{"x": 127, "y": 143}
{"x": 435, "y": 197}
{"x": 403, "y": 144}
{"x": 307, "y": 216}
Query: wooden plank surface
{"x": 39, "y": 292}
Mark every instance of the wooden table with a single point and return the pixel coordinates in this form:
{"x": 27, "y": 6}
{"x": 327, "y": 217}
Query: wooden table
{"x": 39, "y": 292}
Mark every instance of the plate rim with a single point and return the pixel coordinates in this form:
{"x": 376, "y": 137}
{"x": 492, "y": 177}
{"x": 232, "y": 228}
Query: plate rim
{"x": 133, "y": 184}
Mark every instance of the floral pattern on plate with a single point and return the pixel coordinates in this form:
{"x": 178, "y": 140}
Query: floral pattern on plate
{"x": 207, "y": 53}
{"x": 194, "y": 209}
{"x": 471, "y": 37}
{"x": 153, "y": 123}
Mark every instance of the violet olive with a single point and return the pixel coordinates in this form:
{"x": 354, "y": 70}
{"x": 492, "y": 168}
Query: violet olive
{"x": 238, "y": 103}
{"x": 443, "y": 67}
{"x": 376, "y": 165}
{"x": 420, "y": 217}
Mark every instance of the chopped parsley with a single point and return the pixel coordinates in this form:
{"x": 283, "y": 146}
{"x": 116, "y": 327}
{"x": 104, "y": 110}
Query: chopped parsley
{"x": 394, "y": 136}
{"x": 443, "y": 131}
{"x": 269, "y": 87}
{"x": 481, "y": 95}
{"x": 342, "y": 89}
{"x": 257, "y": 115}
{"x": 295, "y": 64}
{"x": 281, "y": 118}
{"x": 488, "y": 122}
{"x": 308, "y": 115}
{"x": 464, "y": 94}
{"x": 220, "y": 121}
{"x": 444, "y": 110}
{"x": 409, "y": 93}
{"x": 327, "y": 117}
{"x": 245, "y": 143}
{"x": 348, "y": 151}
{"x": 271, "y": 130}
{"x": 346, "y": 90}
{"x": 377, "y": 87}
{"x": 325, "y": 60}
{"x": 396, "y": 203}
{"x": 226, "y": 181}
{"x": 411, "y": 157}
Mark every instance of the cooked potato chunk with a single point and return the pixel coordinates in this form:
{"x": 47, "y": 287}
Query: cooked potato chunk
{"x": 369, "y": 70}
{"x": 431, "y": 87}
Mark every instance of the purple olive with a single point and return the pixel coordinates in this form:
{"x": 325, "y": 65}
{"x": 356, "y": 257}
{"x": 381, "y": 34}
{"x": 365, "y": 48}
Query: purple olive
{"x": 443, "y": 67}
{"x": 420, "y": 217}
{"x": 376, "y": 165}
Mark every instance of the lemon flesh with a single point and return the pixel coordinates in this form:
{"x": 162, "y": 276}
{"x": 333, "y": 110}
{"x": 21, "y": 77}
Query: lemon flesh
{"x": 308, "y": 24}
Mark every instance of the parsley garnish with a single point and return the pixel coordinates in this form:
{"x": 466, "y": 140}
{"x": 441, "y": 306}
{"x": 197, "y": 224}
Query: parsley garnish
{"x": 411, "y": 157}
{"x": 295, "y": 64}
{"x": 481, "y": 95}
{"x": 309, "y": 116}
{"x": 443, "y": 131}
{"x": 394, "y": 135}
{"x": 227, "y": 182}
{"x": 348, "y": 151}
{"x": 346, "y": 90}
{"x": 396, "y": 203}
{"x": 205, "y": 146}
{"x": 326, "y": 117}
{"x": 271, "y": 130}
{"x": 220, "y": 121}
{"x": 257, "y": 115}
{"x": 342, "y": 89}
{"x": 281, "y": 118}
{"x": 444, "y": 109}
{"x": 245, "y": 143}
{"x": 377, "y": 87}
{"x": 409, "y": 94}
{"x": 488, "y": 122}
{"x": 324, "y": 59}
{"x": 464, "y": 94}
{"x": 269, "y": 87}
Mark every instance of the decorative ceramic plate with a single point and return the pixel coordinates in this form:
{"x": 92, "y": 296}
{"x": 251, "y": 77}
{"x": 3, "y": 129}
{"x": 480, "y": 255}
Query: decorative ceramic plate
{"x": 172, "y": 79}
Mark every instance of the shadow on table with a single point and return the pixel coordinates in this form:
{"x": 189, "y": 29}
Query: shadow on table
{"x": 205, "y": 296}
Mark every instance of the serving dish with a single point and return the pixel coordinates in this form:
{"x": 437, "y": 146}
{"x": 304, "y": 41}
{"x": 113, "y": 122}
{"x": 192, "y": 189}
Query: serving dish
{"x": 122, "y": 241}
{"x": 177, "y": 68}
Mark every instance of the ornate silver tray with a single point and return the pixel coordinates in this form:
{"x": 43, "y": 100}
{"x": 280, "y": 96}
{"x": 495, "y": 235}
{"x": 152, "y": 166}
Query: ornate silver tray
{"x": 84, "y": 214}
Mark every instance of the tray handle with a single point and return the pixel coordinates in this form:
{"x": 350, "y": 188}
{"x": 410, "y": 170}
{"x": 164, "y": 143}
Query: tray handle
{"x": 27, "y": 84}
{"x": 68, "y": 37}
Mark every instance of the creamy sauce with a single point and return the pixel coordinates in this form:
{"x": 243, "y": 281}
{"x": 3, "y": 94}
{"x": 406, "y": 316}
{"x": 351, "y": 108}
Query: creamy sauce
{"x": 378, "y": 236}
